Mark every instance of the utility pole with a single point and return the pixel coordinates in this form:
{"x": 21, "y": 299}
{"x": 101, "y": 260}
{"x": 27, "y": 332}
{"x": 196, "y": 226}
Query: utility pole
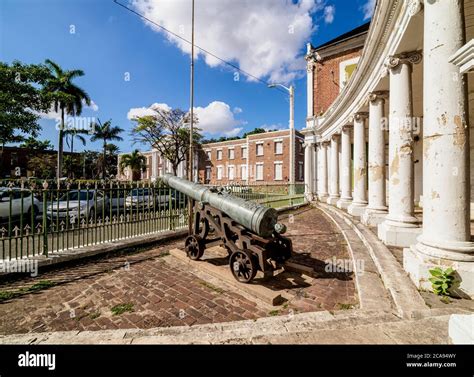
{"x": 191, "y": 125}
{"x": 291, "y": 91}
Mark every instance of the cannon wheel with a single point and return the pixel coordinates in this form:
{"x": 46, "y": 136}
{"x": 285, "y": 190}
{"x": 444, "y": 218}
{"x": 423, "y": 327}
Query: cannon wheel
{"x": 194, "y": 247}
{"x": 243, "y": 265}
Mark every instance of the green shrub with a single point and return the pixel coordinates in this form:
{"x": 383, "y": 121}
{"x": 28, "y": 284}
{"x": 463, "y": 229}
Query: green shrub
{"x": 441, "y": 280}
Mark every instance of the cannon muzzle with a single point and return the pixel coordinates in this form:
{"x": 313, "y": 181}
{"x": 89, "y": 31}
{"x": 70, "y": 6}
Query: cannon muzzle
{"x": 259, "y": 219}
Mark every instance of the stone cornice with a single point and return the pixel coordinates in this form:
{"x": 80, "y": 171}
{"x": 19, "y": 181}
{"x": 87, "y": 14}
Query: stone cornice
{"x": 389, "y": 23}
{"x": 464, "y": 57}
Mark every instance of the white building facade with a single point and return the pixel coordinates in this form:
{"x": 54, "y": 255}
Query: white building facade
{"x": 394, "y": 147}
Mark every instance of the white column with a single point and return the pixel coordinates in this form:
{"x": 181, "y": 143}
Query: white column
{"x": 334, "y": 178}
{"x": 308, "y": 169}
{"x": 346, "y": 182}
{"x": 322, "y": 171}
{"x": 359, "y": 202}
{"x": 377, "y": 208}
{"x": 309, "y": 82}
{"x": 401, "y": 227}
{"x": 315, "y": 170}
{"x": 446, "y": 237}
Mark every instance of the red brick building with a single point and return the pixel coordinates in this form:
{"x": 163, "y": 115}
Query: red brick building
{"x": 259, "y": 158}
{"x": 334, "y": 63}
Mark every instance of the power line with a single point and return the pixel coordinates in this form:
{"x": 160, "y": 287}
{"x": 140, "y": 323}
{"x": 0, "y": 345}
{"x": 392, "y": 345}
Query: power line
{"x": 200, "y": 48}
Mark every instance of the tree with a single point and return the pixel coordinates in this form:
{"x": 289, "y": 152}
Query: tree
{"x": 168, "y": 133}
{"x": 135, "y": 161}
{"x": 36, "y": 145}
{"x": 257, "y": 130}
{"x": 67, "y": 98}
{"x": 42, "y": 166}
{"x": 105, "y": 132}
{"x": 72, "y": 134}
{"x": 21, "y": 100}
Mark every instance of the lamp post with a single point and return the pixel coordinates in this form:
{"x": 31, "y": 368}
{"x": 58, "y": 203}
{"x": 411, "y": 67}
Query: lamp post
{"x": 291, "y": 91}
{"x": 191, "y": 124}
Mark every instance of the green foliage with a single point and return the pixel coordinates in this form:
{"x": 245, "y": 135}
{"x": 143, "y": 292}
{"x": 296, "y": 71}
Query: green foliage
{"x": 257, "y": 130}
{"x": 37, "y": 145}
{"x": 441, "y": 280}
{"x": 135, "y": 161}
{"x": 21, "y": 97}
{"x": 122, "y": 308}
{"x": 168, "y": 132}
{"x": 105, "y": 133}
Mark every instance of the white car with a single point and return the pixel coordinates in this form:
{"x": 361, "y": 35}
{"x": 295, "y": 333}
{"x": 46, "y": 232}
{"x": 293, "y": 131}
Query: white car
{"x": 78, "y": 204}
{"x": 12, "y": 198}
{"x": 145, "y": 198}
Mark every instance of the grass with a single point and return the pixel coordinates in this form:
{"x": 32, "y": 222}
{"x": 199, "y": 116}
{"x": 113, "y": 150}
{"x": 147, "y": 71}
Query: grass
{"x": 274, "y": 313}
{"x": 345, "y": 306}
{"x": 122, "y": 308}
{"x": 42, "y": 284}
{"x": 94, "y": 315}
{"x": 212, "y": 287}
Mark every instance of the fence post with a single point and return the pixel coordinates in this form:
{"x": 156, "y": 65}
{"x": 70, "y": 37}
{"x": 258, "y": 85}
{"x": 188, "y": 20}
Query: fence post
{"x": 45, "y": 222}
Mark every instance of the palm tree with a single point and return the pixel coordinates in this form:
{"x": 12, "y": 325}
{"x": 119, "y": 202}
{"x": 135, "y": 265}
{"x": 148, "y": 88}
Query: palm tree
{"x": 106, "y": 132}
{"x": 67, "y": 98}
{"x": 74, "y": 134}
{"x": 135, "y": 161}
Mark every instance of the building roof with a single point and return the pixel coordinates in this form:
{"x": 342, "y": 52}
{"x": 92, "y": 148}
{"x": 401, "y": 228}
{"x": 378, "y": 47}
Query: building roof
{"x": 362, "y": 29}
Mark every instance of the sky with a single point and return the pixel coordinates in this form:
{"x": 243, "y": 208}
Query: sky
{"x": 132, "y": 66}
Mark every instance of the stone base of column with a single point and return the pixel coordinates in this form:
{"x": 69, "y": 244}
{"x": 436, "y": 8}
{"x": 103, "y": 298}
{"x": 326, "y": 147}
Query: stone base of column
{"x": 357, "y": 209}
{"x": 417, "y": 265}
{"x": 373, "y": 217}
{"x": 344, "y": 203}
{"x": 333, "y": 199}
{"x": 399, "y": 236}
{"x": 460, "y": 328}
{"x": 323, "y": 197}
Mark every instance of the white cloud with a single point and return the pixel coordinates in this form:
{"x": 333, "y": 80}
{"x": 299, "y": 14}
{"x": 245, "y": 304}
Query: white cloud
{"x": 263, "y": 37}
{"x": 329, "y": 12}
{"x": 145, "y": 111}
{"x": 237, "y": 110}
{"x": 216, "y": 118}
{"x": 368, "y": 9}
{"x": 273, "y": 127}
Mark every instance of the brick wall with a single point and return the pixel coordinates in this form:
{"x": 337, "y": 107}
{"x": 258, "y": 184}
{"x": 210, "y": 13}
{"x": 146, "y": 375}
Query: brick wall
{"x": 326, "y": 79}
{"x": 268, "y": 159}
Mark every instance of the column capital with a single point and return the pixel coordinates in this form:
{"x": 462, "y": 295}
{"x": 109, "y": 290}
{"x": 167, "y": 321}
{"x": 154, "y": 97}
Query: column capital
{"x": 411, "y": 57}
{"x": 361, "y": 115}
{"x": 308, "y": 143}
{"x": 378, "y": 95}
{"x": 414, "y": 7}
{"x": 346, "y": 127}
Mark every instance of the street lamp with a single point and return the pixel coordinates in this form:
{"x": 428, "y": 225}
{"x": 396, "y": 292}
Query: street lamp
{"x": 291, "y": 91}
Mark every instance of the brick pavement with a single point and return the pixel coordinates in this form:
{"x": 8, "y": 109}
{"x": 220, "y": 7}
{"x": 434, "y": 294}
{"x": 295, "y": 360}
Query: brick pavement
{"x": 159, "y": 294}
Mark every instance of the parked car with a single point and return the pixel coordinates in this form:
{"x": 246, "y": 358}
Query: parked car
{"x": 116, "y": 200}
{"x": 79, "y": 204}
{"x": 147, "y": 198}
{"x": 13, "y": 198}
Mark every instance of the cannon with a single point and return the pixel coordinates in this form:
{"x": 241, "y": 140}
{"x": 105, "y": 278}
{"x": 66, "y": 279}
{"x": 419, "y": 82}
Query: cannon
{"x": 247, "y": 230}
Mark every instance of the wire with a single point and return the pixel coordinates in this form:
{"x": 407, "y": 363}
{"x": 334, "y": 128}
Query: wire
{"x": 200, "y": 48}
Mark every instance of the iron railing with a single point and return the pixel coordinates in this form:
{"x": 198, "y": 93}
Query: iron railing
{"x": 40, "y": 218}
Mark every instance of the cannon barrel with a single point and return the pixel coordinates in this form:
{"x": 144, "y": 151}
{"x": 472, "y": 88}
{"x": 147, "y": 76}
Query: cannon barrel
{"x": 253, "y": 216}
